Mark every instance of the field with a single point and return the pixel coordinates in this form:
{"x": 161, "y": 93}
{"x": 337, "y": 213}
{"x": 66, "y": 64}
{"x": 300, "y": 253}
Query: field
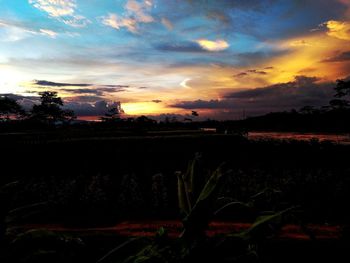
{"x": 81, "y": 187}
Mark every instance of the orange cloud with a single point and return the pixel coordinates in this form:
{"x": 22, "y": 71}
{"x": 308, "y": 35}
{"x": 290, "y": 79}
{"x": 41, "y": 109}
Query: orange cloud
{"x": 338, "y": 29}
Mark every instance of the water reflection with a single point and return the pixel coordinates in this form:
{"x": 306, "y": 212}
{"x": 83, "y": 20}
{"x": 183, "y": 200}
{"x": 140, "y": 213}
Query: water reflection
{"x": 337, "y": 138}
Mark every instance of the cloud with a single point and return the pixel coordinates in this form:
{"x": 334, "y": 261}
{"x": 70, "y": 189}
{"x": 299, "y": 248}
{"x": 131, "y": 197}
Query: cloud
{"x": 300, "y": 86}
{"x": 256, "y": 71}
{"x": 96, "y": 91}
{"x": 140, "y": 10}
{"x": 62, "y": 10}
{"x": 18, "y": 31}
{"x": 166, "y": 22}
{"x": 216, "y": 45}
{"x": 252, "y": 71}
{"x": 57, "y": 84}
{"x": 219, "y": 16}
{"x": 117, "y": 22}
{"x": 55, "y": 8}
{"x": 201, "y": 45}
{"x": 136, "y": 12}
{"x": 180, "y": 47}
{"x": 279, "y": 97}
{"x": 48, "y": 32}
{"x": 344, "y": 56}
{"x": 259, "y": 57}
{"x": 201, "y": 104}
{"x": 338, "y": 29}
{"x": 89, "y": 89}
{"x": 156, "y": 101}
{"x": 60, "y": 84}
{"x": 99, "y": 108}
{"x": 255, "y": 5}
{"x": 240, "y": 75}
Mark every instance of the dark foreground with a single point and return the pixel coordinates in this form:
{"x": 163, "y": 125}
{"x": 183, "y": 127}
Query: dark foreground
{"x": 91, "y": 183}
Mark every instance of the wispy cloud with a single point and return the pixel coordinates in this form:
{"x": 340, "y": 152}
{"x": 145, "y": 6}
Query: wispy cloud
{"x": 116, "y": 22}
{"x": 252, "y": 71}
{"x": 166, "y": 22}
{"x": 136, "y": 13}
{"x": 46, "y": 83}
{"x": 18, "y": 31}
{"x": 58, "y": 84}
{"x": 48, "y": 32}
{"x": 62, "y": 10}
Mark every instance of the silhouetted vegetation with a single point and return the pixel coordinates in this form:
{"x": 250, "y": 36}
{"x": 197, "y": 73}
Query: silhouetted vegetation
{"x": 10, "y": 109}
{"x": 49, "y": 110}
{"x": 78, "y": 175}
{"x": 329, "y": 118}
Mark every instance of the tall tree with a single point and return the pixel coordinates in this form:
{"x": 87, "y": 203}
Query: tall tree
{"x": 342, "y": 90}
{"x": 9, "y": 108}
{"x": 49, "y": 110}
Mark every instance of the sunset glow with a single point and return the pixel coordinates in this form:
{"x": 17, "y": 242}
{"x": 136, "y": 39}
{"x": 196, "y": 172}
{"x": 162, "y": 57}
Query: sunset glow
{"x": 170, "y": 57}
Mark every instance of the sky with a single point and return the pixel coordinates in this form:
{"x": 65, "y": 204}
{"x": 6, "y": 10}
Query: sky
{"x": 169, "y": 57}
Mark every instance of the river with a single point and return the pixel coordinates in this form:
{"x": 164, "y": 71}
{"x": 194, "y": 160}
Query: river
{"x": 335, "y": 138}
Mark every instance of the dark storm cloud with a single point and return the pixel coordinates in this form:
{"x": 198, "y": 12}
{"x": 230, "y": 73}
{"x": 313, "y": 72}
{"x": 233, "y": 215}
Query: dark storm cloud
{"x": 284, "y": 96}
{"x": 345, "y": 56}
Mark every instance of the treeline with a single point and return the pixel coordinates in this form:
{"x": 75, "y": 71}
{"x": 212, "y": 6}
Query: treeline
{"x": 334, "y": 117}
{"x": 49, "y": 111}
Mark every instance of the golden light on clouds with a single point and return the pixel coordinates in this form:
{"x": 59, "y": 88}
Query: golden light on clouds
{"x": 309, "y": 52}
{"x": 217, "y": 45}
{"x": 139, "y": 108}
{"x": 338, "y": 29}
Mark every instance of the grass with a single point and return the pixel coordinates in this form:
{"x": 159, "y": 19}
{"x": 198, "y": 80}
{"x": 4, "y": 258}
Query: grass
{"x": 89, "y": 182}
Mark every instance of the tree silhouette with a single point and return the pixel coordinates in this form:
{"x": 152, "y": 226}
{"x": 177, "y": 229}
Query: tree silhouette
{"x": 194, "y": 113}
{"x": 49, "y": 110}
{"x": 338, "y": 104}
{"x": 10, "y": 108}
{"x": 342, "y": 88}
